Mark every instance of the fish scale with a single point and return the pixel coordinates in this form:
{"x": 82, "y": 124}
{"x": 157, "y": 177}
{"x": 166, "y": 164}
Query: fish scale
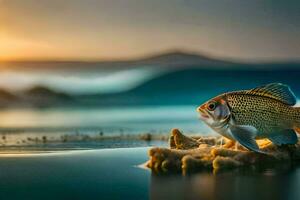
{"x": 266, "y": 114}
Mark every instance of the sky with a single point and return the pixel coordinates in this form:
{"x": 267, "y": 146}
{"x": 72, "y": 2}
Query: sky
{"x": 120, "y": 29}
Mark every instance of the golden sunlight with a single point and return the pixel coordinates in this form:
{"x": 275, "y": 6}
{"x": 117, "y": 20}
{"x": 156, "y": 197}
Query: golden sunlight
{"x": 12, "y": 48}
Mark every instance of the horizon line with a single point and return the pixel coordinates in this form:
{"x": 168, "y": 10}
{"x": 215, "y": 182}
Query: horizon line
{"x": 152, "y": 55}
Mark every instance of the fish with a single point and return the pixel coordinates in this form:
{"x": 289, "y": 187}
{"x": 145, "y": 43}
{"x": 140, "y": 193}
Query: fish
{"x": 266, "y": 111}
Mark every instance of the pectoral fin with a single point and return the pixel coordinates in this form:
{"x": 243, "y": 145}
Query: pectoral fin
{"x": 284, "y": 137}
{"x": 245, "y": 135}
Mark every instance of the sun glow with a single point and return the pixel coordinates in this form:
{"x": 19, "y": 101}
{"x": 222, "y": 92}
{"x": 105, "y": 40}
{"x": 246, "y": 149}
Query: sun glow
{"x": 12, "y": 48}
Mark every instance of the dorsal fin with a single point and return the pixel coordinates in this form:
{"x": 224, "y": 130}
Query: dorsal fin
{"x": 278, "y": 91}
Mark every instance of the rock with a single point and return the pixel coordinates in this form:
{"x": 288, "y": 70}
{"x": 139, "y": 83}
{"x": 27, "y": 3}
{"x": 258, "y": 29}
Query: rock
{"x": 187, "y": 154}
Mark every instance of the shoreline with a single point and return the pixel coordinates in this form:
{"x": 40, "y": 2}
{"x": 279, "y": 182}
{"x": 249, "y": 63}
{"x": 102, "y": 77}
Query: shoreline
{"x": 40, "y": 139}
{"x": 65, "y": 152}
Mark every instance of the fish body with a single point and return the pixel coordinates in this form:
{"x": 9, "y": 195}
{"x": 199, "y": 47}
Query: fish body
{"x": 264, "y": 112}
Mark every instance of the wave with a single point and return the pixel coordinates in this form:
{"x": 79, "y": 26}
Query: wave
{"x": 78, "y": 83}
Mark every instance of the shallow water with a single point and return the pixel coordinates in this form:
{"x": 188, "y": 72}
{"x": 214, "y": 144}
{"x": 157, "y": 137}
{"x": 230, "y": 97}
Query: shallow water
{"x": 114, "y": 174}
{"x": 25, "y": 126}
{"x": 111, "y": 119}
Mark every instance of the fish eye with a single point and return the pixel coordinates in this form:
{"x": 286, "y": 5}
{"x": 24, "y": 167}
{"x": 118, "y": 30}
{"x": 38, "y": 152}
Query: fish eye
{"x": 211, "y": 106}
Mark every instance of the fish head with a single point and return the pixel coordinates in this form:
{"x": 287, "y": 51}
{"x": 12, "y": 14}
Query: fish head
{"x": 215, "y": 112}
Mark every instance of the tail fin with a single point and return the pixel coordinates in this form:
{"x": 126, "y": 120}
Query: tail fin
{"x": 297, "y": 120}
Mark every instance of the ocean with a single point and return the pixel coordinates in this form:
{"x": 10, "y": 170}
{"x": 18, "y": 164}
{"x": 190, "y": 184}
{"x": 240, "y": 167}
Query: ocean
{"x": 111, "y": 103}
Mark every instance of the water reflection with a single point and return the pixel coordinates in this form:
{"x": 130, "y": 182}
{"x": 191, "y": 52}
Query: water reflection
{"x": 135, "y": 118}
{"x": 21, "y": 126}
{"x": 278, "y": 182}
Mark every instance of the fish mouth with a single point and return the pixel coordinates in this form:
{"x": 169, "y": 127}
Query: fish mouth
{"x": 202, "y": 113}
{"x": 204, "y": 116}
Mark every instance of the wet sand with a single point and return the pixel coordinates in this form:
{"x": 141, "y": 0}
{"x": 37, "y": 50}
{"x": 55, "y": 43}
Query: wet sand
{"x": 114, "y": 174}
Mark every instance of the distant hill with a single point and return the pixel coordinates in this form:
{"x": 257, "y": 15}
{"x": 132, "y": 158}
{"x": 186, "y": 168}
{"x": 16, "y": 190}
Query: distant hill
{"x": 174, "y": 59}
{"x": 166, "y": 59}
{"x": 37, "y": 96}
{"x": 7, "y": 98}
{"x": 44, "y": 92}
{"x": 5, "y": 95}
{"x": 179, "y": 58}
